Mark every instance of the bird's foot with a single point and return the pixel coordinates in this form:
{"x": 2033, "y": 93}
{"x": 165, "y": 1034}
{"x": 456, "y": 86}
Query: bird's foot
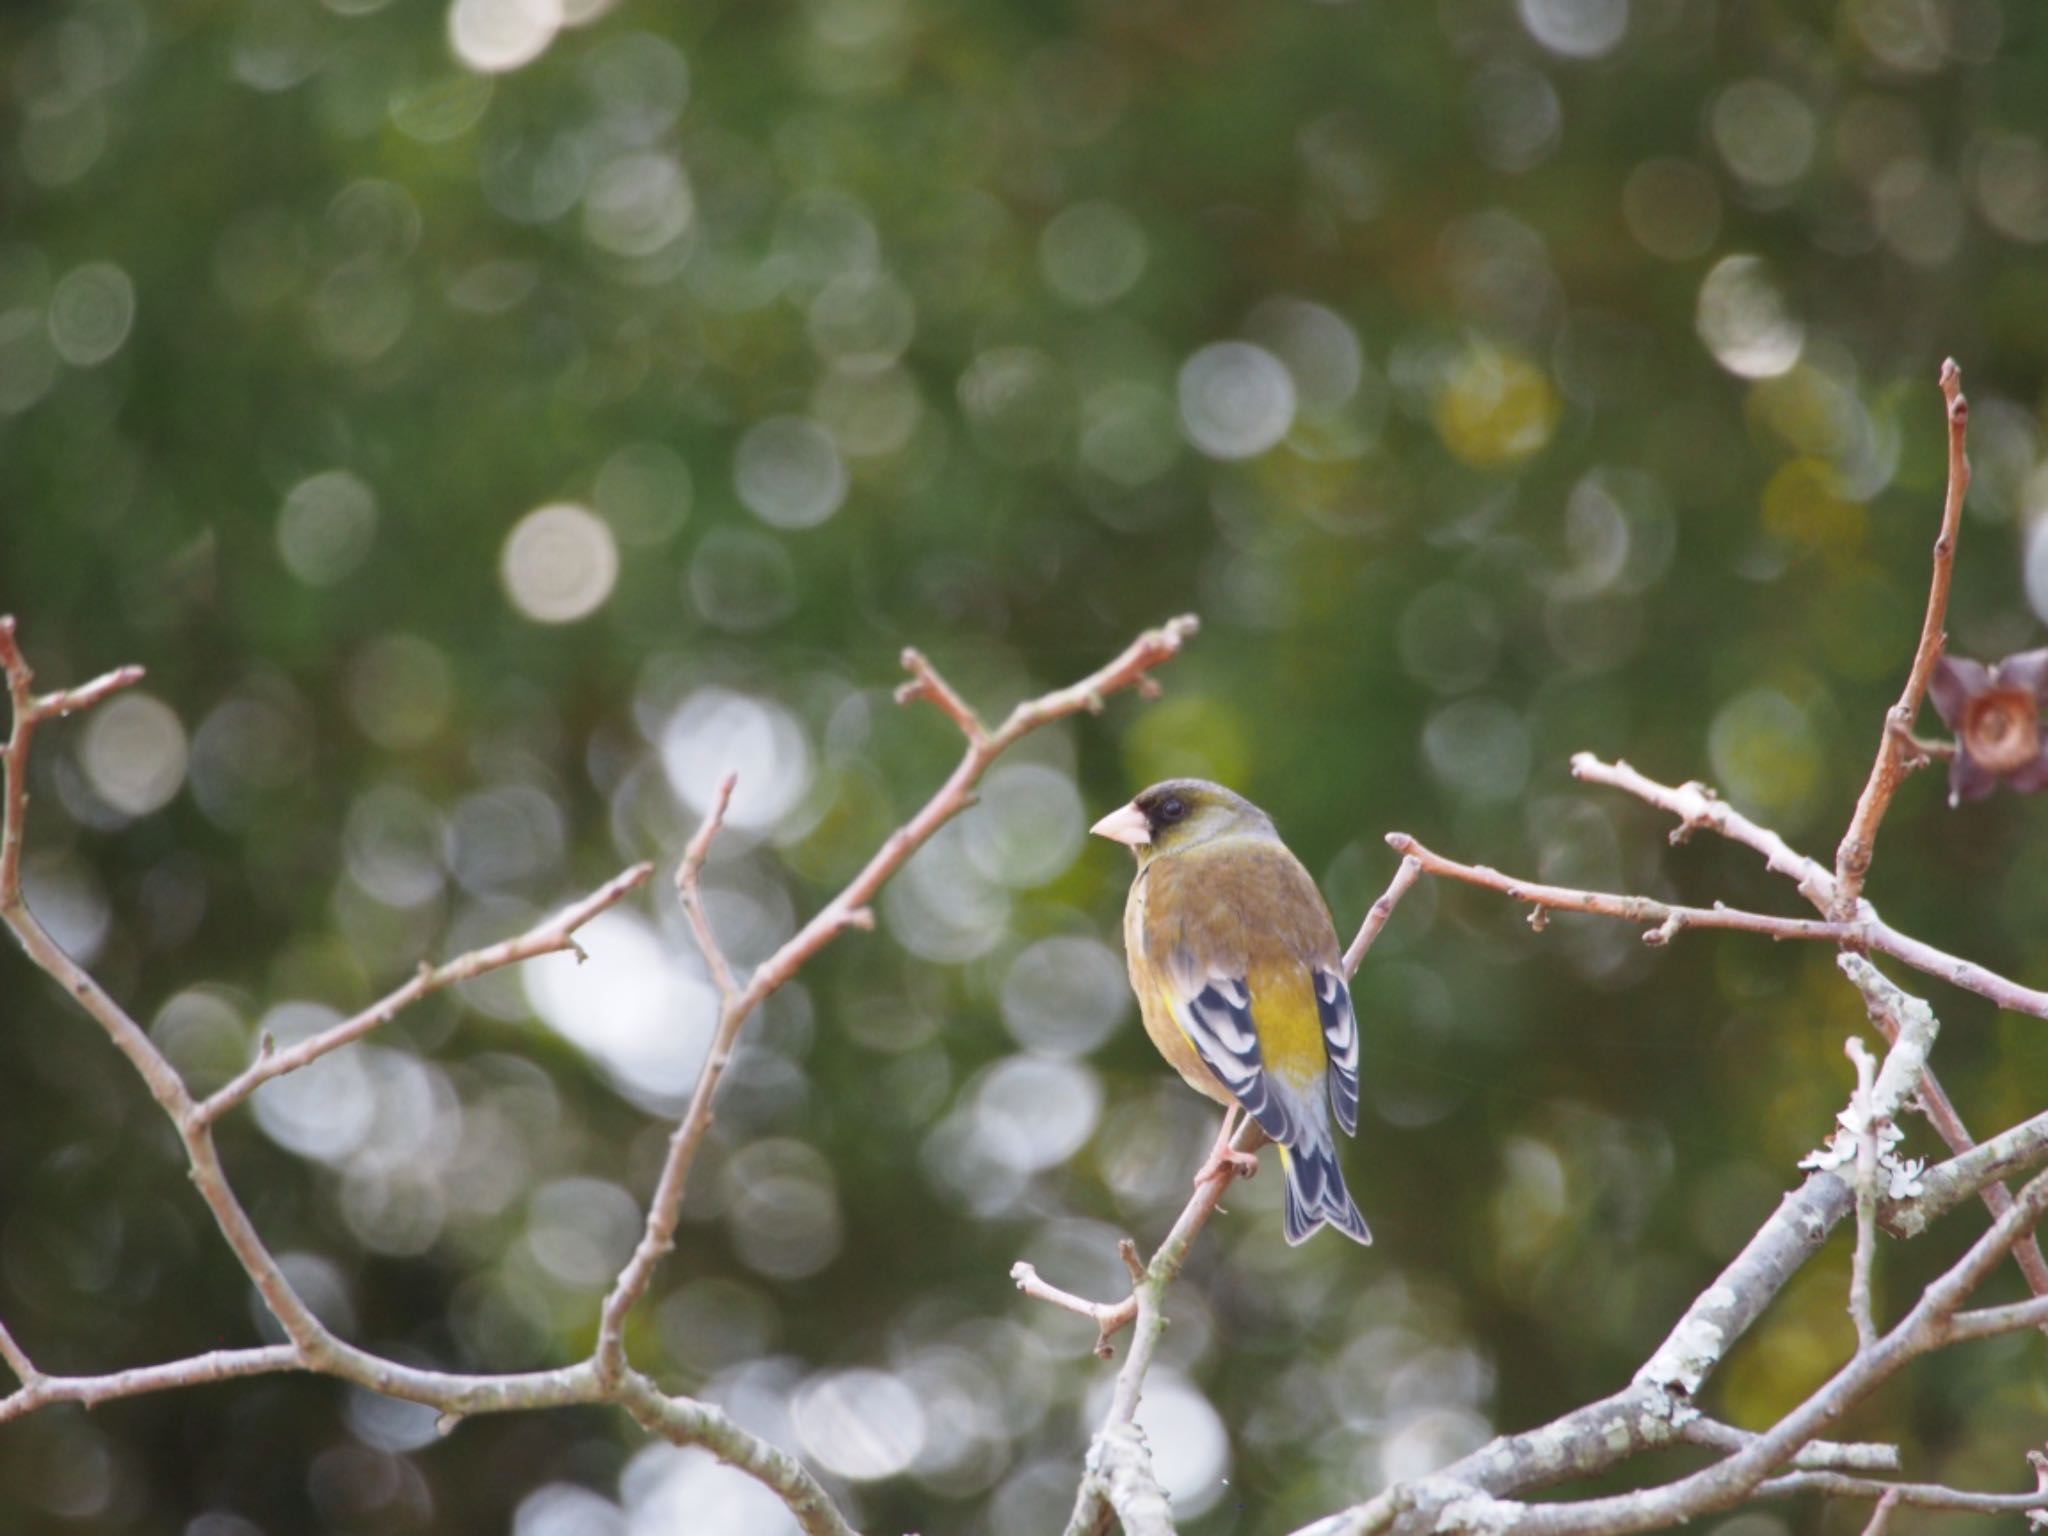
{"x": 1228, "y": 1162}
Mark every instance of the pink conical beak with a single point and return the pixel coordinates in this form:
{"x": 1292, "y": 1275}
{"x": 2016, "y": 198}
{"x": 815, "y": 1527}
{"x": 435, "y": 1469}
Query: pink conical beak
{"x": 1126, "y": 824}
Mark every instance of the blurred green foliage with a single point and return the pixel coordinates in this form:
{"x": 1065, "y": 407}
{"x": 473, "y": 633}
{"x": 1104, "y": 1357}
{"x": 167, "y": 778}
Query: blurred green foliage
{"x": 489, "y": 423}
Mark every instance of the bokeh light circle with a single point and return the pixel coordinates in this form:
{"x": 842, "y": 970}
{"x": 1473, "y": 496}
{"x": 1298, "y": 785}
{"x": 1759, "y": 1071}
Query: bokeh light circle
{"x": 134, "y": 753}
{"x": 326, "y": 527}
{"x": 1745, "y": 321}
{"x": 559, "y": 563}
{"x": 862, "y": 1424}
{"x": 1092, "y": 254}
{"x": 1236, "y": 400}
{"x": 716, "y": 732}
{"x": 493, "y": 36}
{"x": 91, "y": 313}
{"x": 1576, "y": 29}
{"x": 789, "y": 473}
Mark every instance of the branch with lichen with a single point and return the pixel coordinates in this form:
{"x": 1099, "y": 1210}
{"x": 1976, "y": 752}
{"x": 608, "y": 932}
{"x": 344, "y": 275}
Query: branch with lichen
{"x": 1479, "y": 1490}
{"x": 1902, "y": 1199}
{"x": 1698, "y": 808}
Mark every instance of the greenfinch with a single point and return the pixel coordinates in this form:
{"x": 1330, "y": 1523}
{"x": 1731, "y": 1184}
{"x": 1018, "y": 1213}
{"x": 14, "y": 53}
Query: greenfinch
{"x": 1241, "y": 985}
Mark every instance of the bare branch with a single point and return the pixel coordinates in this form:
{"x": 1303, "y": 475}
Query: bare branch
{"x": 1945, "y": 1186}
{"x": 1991, "y": 1322}
{"x": 1148, "y": 1291}
{"x": 28, "y": 712}
{"x": 17, "y": 1359}
{"x": 1815, "y": 1456}
{"x": 1866, "y": 1121}
{"x": 1697, "y": 806}
{"x": 849, "y": 909}
{"x": 555, "y": 936}
{"x": 1657, "y": 1407}
{"x": 685, "y": 1421}
{"x": 312, "y": 1347}
{"x": 1376, "y": 917}
{"x": 1724, "y": 1311}
{"x": 1910, "y": 1024}
{"x": 1852, "y": 858}
{"x": 1929, "y": 1325}
{"x": 1881, "y": 1516}
{"x": 1109, "y": 1320}
{"x": 688, "y": 876}
{"x": 1652, "y": 1412}
{"x": 1663, "y": 920}
{"x": 1891, "y": 1495}
{"x": 1119, "y": 1471}
{"x": 1461, "y": 1496}
{"x": 220, "y": 1365}
{"x": 926, "y": 683}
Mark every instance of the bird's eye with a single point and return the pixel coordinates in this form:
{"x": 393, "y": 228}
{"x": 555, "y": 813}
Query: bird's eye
{"x": 1172, "y": 809}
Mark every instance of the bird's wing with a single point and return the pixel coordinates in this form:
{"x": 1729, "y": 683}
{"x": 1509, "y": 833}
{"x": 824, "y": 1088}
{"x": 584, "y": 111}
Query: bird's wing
{"x": 1215, "y": 1012}
{"x": 1340, "y": 1040}
{"x": 1243, "y": 944}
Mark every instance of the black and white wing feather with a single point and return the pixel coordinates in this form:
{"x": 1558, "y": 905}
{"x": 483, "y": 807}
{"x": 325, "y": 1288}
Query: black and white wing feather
{"x": 1217, "y": 1018}
{"x": 1340, "y": 1039}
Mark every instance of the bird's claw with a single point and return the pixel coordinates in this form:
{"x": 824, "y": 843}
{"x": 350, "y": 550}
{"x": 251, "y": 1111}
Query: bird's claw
{"x": 1228, "y": 1162}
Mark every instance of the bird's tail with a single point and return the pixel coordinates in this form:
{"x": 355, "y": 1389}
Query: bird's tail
{"x": 1316, "y": 1195}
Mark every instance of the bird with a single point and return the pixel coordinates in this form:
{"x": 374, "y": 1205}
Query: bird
{"x": 1240, "y": 984}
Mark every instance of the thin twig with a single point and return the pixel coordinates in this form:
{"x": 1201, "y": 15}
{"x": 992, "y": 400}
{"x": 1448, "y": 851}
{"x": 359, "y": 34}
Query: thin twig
{"x": 1866, "y": 1120}
{"x": 926, "y": 683}
{"x": 689, "y": 888}
{"x": 28, "y": 712}
{"x": 1881, "y": 1516}
{"x": 1991, "y": 1322}
{"x": 1148, "y": 1292}
{"x": 1895, "y": 742}
{"x": 1814, "y": 1456}
{"x": 17, "y": 1359}
{"x": 1890, "y": 1496}
{"x": 1698, "y": 808}
{"x": 685, "y": 1421}
{"x": 1910, "y": 1025}
{"x": 198, "y": 1370}
{"x": 557, "y": 935}
{"x": 1664, "y": 921}
{"x": 2020, "y": 1149}
{"x": 1661, "y": 921}
{"x": 1109, "y": 1319}
{"x": 1376, "y": 916}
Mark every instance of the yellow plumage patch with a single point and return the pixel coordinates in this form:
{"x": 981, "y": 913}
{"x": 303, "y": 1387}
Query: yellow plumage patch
{"x": 1284, "y": 1015}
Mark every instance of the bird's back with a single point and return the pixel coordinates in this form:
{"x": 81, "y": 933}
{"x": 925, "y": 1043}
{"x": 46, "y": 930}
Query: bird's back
{"x": 1251, "y": 912}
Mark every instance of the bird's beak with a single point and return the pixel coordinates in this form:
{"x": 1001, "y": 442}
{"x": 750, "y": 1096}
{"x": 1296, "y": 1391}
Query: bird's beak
{"x": 1127, "y": 824}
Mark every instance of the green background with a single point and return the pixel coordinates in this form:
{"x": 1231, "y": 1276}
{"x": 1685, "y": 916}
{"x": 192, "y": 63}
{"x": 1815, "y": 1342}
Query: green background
{"x": 1577, "y": 392}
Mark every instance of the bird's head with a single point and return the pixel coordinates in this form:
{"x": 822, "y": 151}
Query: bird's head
{"x": 1180, "y": 813}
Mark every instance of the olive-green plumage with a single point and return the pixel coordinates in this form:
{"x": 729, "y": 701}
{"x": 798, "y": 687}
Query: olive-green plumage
{"x": 1240, "y": 981}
